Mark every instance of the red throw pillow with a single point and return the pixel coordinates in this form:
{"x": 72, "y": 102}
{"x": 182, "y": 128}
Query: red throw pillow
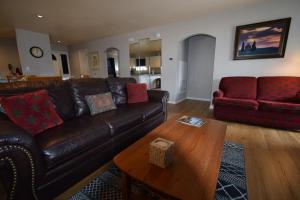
{"x": 32, "y": 111}
{"x": 137, "y": 92}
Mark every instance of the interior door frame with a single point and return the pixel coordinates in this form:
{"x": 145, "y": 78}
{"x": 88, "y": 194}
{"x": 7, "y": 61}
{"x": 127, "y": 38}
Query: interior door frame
{"x": 64, "y": 76}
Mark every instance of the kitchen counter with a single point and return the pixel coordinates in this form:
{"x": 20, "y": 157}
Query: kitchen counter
{"x": 147, "y": 78}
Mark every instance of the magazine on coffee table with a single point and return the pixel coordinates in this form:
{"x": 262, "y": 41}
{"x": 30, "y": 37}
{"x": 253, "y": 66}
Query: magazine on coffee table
{"x": 192, "y": 121}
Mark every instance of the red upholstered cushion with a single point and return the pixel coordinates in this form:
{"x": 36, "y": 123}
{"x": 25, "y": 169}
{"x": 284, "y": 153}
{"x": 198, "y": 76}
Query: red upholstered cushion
{"x": 277, "y": 88}
{"x": 241, "y": 103}
{"x": 239, "y": 87}
{"x": 137, "y": 92}
{"x": 298, "y": 97}
{"x": 279, "y": 106}
{"x": 33, "y": 111}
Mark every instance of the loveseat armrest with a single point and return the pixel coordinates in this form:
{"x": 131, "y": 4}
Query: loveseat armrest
{"x": 218, "y": 94}
{"x": 21, "y": 163}
{"x": 162, "y": 97}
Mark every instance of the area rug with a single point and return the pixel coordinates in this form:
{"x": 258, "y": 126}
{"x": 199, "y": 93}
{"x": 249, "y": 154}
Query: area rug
{"x": 231, "y": 181}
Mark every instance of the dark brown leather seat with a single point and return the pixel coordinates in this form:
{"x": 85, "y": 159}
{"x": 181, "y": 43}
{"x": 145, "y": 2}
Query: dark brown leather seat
{"x": 119, "y": 120}
{"x": 147, "y": 110}
{"x": 71, "y": 138}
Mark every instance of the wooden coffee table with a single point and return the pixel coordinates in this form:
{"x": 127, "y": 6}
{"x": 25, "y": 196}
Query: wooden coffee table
{"x": 194, "y": 171}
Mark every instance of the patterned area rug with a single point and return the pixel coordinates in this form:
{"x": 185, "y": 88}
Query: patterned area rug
{"x": 231, "y": 182}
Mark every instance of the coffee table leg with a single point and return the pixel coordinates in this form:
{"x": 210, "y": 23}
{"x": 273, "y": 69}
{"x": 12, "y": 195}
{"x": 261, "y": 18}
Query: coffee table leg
{"x": 126, "y": 187}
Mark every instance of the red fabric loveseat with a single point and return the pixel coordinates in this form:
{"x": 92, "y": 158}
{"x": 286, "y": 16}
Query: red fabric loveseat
{"x": 267, "y": 101}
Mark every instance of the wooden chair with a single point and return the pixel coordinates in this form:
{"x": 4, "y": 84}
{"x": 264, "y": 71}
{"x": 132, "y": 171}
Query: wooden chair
{"x": 15, "y": 78}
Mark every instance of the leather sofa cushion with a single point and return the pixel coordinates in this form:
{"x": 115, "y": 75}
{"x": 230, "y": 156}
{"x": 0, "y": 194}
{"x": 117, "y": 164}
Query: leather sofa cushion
{"x": 239, "y": 103}
{"x": 146, "y": 109}
{"x": 239, "y": 87}
{"x": 82, "y": 87}
{"x": 64, "y": 142}
{"x": 62, "y": 98}
{"x": 119, "y": 120}
{"x": 278, "y": 88}
{"x": 117, "y": 87}
{"x": 283, "y": 107}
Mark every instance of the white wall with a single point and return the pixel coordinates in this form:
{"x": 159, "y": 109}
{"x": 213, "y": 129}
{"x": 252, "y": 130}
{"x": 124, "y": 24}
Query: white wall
{"x": 8, "y": 55}
{"x": 201, "y": 52}
{"x": 30, "y": 65}
{"x": 222, "y": 26}
{"x": 74, "y": 64}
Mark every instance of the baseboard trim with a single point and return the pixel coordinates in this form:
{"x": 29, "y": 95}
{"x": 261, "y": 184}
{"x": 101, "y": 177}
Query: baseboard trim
{"x": 176, "y": 102}
{"x": 199, "y": 99}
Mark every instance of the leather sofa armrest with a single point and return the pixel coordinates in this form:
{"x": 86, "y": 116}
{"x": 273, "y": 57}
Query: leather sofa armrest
{"x": 21, "y": 162}
{"x": 218, "y": 93}
{"x": 160, "y": 96}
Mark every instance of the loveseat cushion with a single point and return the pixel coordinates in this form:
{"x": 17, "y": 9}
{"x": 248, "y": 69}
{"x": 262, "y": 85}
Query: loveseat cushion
{"x": 71, "y": 138}
{"x": 240, "y": 103}
{"x": 83, "y": 87}
{"x": 279, "y": 106}
{"x": 119, "y": 120}
{"x": 278, "y": 88}
{"x": 117, "y": 87}
{"x": 239, "y": 87}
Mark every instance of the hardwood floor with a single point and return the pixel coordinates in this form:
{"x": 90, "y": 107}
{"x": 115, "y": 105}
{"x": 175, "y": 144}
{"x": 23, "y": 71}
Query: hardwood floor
{"x": 272, "y": 156}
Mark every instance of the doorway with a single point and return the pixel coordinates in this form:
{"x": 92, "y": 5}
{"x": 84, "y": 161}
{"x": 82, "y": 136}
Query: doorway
{"x": 200, "y": 66}
{"x": 61, "y": 64}
{"x": 145, "y": 62}
{"x": 112, "y": 62}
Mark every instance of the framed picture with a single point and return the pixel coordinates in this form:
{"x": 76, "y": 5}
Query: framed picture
{"x": 261, "y": 40}
{"x": 94, "y": 62}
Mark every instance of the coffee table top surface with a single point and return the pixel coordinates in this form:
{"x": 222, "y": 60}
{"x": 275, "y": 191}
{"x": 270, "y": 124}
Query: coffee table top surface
{"x": 194, "y": 171}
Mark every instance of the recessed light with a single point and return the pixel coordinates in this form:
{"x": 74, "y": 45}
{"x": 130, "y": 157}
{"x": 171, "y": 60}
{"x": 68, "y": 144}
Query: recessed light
{"x": 58, "y": 41}
{"x": 39, "y": 16}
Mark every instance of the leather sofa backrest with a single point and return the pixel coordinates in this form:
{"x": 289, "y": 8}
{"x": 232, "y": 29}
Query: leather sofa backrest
{"x": 117, "y": 86}
{"x": 239, "y": 87}
{"x": 59, "y": 92}
{"x": 82, "y": 87}
{"x": 277, "y": 88}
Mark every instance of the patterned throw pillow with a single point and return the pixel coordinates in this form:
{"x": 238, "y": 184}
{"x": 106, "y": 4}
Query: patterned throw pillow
{"x": 137, "y": 92}
{"x": 32, "y": 111}
{"x": 99, "y": 103}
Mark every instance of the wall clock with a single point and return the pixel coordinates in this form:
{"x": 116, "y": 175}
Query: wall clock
{"x": 36, "y": 52}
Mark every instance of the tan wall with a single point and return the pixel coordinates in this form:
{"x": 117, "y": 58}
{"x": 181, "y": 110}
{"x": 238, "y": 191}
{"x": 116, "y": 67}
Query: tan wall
{"x": 8, "y": 55}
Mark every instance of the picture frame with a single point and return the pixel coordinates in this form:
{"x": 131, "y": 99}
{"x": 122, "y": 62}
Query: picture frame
{"x": 261, "y": 40}
{"x": 94, "y": 61}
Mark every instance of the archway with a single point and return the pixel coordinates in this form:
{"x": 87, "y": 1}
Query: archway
{"x": 200, "y": 54}
{"x": 112, "y": 62}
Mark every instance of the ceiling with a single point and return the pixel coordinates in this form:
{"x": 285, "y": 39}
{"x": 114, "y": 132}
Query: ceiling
{"x": 74, "y": 21}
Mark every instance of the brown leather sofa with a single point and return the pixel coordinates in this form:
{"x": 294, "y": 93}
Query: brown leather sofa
{"x": 43, "y": 166}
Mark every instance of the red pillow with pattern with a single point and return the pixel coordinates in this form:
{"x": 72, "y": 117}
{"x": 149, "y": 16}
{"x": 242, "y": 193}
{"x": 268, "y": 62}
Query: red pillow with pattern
{"x": 32, "y": 111}
{"x": 137, "y": 92}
